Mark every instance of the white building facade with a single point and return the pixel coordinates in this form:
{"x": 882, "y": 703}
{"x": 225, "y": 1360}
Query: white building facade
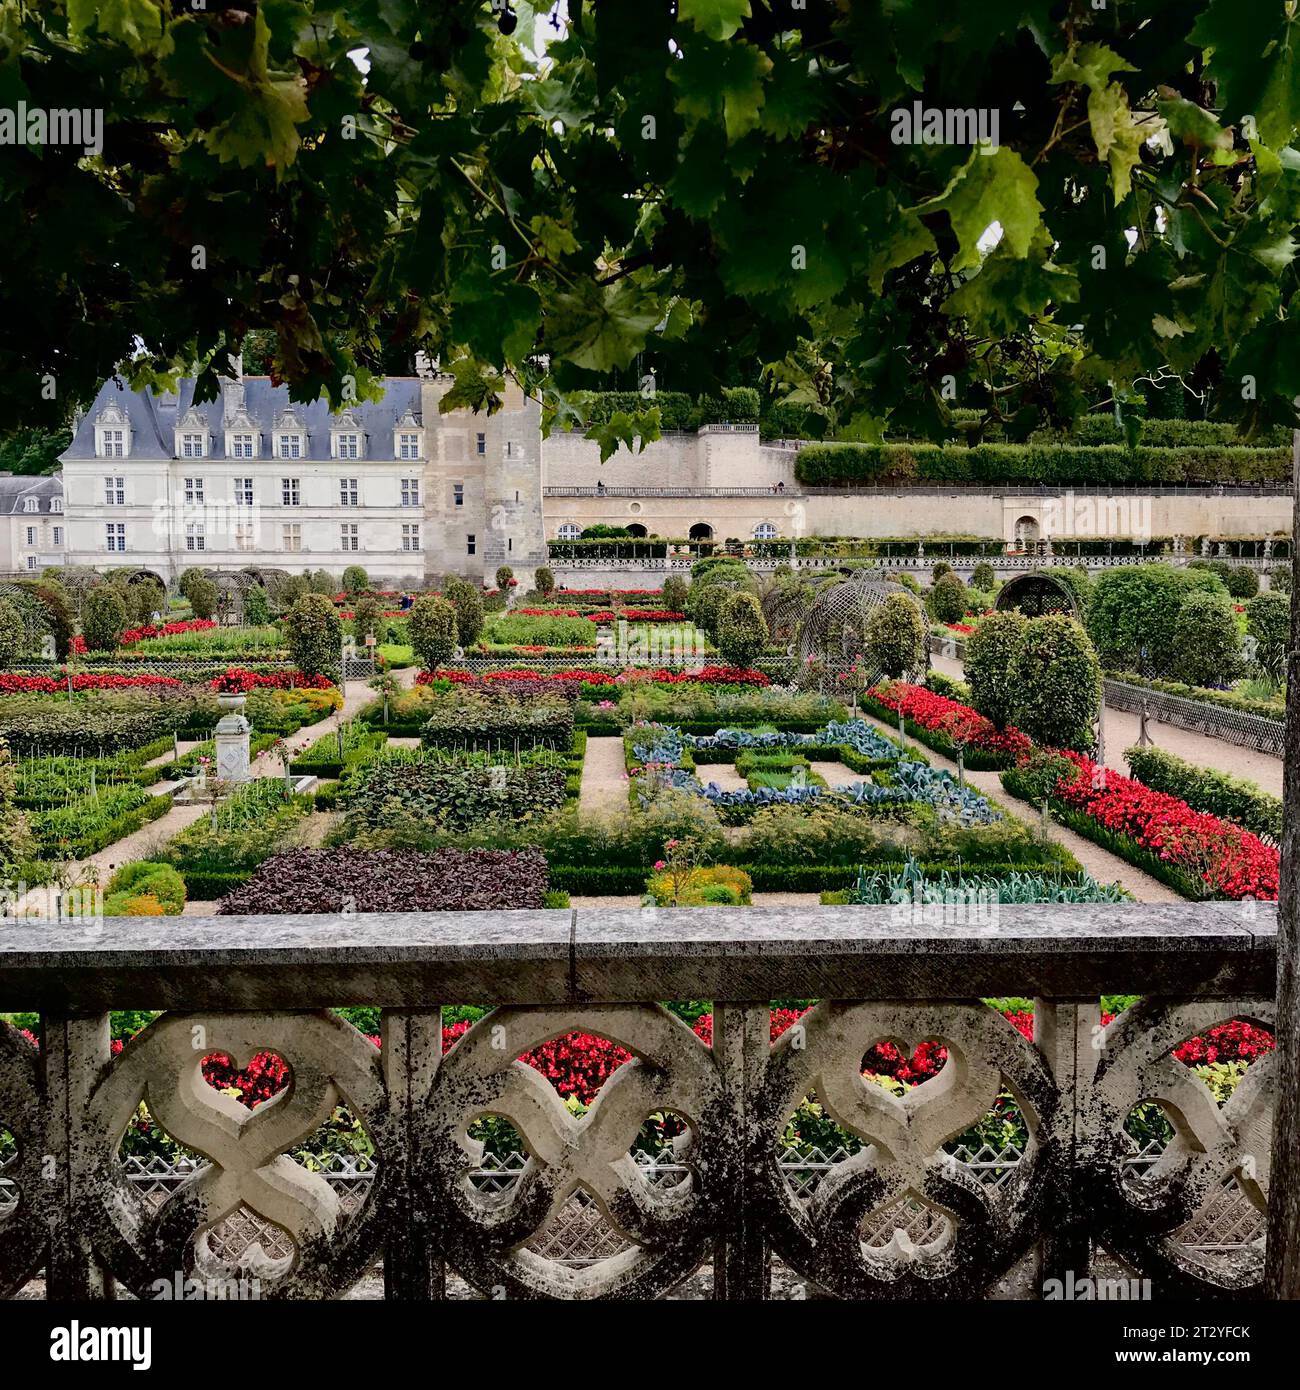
{"x": 33, "y": 527}
{"x": 162, "y": 482}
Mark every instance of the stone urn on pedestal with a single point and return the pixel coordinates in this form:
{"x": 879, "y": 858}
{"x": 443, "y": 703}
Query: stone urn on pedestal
{"x": 232, "y": 740}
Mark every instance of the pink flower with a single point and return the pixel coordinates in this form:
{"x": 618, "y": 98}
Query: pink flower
{"x": 659, "y": 865}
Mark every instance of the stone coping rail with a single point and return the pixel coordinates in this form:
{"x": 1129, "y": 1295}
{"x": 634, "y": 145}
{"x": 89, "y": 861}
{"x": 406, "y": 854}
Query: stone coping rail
{"x": 606, "y": 955}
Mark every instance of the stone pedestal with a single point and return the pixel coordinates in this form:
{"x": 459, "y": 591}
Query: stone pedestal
{"x": 232, "y": 741}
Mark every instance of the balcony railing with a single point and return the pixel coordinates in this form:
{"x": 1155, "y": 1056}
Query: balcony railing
{"x": 907, "y": 1207}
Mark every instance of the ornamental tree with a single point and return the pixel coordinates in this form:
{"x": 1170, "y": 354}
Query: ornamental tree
{"x": 433, "y": 631}
{"x": 204, "y": 596}
{"x": 544, "y": 580}
{"x": 1133, "y": 614}
{"x": 467, "y": 600}
{"x": 948, "y": 598}
{"x": 895, "y": 636}
{"x": 742, "y": 629}
{"x": 1206, "y": 641}
{"x": 13, "y": 632}
{"x": 1057, "y": 682}
{"x": 103, "y": 619}
{"x": 1268, "y": 621}
{"x": 991, "y": 653}
{"x": 314, "y": 633}
{"x": 257, "y": 611}
{"x": 355, "y": 580}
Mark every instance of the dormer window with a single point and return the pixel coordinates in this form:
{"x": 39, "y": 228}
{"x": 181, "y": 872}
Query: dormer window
{"x": 242, "y": 446}
{"x": 31, "y": 504}
{"x": 192, "y": 435}
{"x": 407, "y": 436}
{"x": 112, "y": 432}
{"x": 193, "y": 446}
{"x": 290, "y": 435}
{"x": 347, "y": 446}
{"x": 56, "y": 504}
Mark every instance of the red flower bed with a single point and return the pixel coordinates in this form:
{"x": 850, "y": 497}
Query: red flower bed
{"x": 706, "y": 675}
{"x": 137, "y": 634}
{"x": 1233, "y": 862}
{"x": 52, "y": 685}
{"x": 963, "y": 628}
{"x": 238, "y": 681}
{"x": 387, "y": 613}
{"x": 942, "y": 715}
{"x": 518, "y": 673}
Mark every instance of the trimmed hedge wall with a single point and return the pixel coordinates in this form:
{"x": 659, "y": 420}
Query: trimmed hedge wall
{"x": 679, "y": 410}
{"x": 852, "y": 465}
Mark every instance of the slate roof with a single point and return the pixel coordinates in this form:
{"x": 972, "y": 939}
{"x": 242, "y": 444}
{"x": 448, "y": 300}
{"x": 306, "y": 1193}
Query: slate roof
{"x": 153, "y": 419}
{"x": 16, "y": 488}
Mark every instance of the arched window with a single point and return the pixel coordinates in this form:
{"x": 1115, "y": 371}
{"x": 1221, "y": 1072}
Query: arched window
{"x": 569, "y": 532}
{"x": 701, "y": 531}
{"x": 765, "y": 531}
{"x": 1026, "y": 530}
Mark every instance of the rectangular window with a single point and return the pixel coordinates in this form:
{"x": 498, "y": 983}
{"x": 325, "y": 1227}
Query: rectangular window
{"x": 469, "y": 544}
{"x": 116, "y": 535}
{"x": 408, "y": 446}
{"x": 58, "y": 535}
{"x": 290, "y": 446}
{"x": 289, "y": 493}
{"x": 115, "y": 492}
{"x": 349, "y": 536}
{"x": 245, "y": 537}
{"x": 243, "y": 492}
{"x": 31, "y": 535}
{"x": 348, "y": 493}
{"x": 292, "y": 535}
{"x": 194, "y": 539}
{"x": 458, "y": 494}
{"x": 480, "y": 443}
{"x": 410, "y": 492}
{"x": 241, "y": 446}
{"x": 114, "y": 444}
{"x": 31, "y": 562}
{"x": 194, "y": 491}
{"x": 410, "y": 536}
{"x": 192, "y": 446}
{"x": 349, "y": 446}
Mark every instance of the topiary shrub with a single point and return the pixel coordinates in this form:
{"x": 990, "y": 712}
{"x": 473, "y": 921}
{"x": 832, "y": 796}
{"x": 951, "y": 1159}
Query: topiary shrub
{"x": 948, "y": 598}
{"x": 103, "y": 619}
{"x": 983, "y": 577}
{"x": 203, "y": 597}
{"x": 1133, "y": 613}
{"x": 188, "y": 577}
{"x": 321, "y": 582}
{"x": 367, "y": 617}
{"x": 544, "y": 580}
{"x": 143, "y": 599}
{"x": 504, "y": 575}
{"x": 1279, "y": 578}
{"x": 1268, "y": 621}
{"x": 895, "y": 636}
{"x": 467, "y": 600}
{"x": 675, "y": 591}
{"x": 433, "y": 631}
{"x": 1242, "y": 582}
{"x": 1056, "y": 679}
{"x": 314, "y": 633}
{"x": 742, "y": 629}
{"x": 706, "y": 601}
{"x": 991, "y": 652}
{"x": 355, "y": 580}
{"x": 257, "y": 611}
{"x": 1206, "y": 641}
{"x": 941, "y": 567}
{"x": 13, "y": 634}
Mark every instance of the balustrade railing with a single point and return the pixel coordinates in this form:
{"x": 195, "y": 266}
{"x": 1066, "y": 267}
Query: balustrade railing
{"x": 907, "y": 1206}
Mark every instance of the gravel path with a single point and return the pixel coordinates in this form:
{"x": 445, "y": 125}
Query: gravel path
{"x": 604, "y": 778}
{"x": 1122, "y": 733}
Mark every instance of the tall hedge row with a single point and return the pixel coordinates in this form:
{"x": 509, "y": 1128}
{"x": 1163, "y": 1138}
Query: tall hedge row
{"x": 852, "y": 465}
{"x": 678, "y": 410}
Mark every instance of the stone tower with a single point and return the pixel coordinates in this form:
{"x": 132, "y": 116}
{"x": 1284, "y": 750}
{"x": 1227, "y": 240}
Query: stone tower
{"x": 483, "y": 487}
